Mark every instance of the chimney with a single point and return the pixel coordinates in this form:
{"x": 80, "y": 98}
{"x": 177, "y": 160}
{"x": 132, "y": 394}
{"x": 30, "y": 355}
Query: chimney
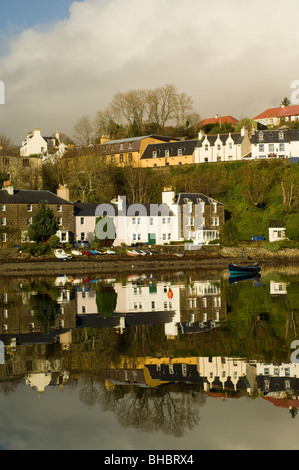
{"x": 168, "y": 196}
{"x": 9, "y": 187}
{"x": 63, "y": 192}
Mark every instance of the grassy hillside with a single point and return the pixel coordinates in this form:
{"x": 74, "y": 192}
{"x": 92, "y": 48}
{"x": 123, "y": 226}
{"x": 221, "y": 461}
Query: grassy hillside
{"x": 253, "y": 192}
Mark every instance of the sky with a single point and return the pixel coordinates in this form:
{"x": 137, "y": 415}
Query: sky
{"x": 63, "y": 59}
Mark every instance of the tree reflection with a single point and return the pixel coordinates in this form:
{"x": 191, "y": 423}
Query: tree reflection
{"x": 171, "y": 410}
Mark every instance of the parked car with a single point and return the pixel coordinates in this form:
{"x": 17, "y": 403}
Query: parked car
{"x": 81, "y": 244}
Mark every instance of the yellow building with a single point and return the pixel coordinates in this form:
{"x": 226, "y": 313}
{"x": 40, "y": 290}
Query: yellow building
{"x": 169, "y": 153}
{"x": 123, "y": 152}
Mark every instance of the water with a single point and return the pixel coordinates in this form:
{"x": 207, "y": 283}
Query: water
{"x": 157, "y": 361}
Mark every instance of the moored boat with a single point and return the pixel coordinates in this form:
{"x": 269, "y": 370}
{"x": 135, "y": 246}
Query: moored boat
{"x": 243, "y": 270}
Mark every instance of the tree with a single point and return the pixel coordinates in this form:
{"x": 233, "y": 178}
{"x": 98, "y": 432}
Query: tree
{"x": 44, "y": 224}
{"x": 285, "y": 102}
{"x": 83, "y": 130}
{"x": 292, "y": 227}
{"x": 229, "y": 235}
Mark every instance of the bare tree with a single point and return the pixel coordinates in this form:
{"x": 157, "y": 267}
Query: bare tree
{"x": 83, "y": 130}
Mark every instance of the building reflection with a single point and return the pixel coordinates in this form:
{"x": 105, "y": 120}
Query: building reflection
{"x": 43, "y": 354}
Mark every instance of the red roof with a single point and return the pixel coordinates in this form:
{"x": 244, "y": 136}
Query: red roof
{"x": 278, "y": 112}
{"x": 218, "y": 119}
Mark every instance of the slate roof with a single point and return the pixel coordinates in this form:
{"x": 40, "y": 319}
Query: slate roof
{"x": 194, "y": 197}
{"x": 236, "y": 137}
{"x": 30, "y": 197}
{"x": 271, "y": 136}
{"x": 85, "y": 209}
{"x": 187, "y": 147}
{"x": 89, "y": 209}
{"x": 105, "y": 147}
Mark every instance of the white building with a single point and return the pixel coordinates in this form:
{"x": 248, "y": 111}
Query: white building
{"x": 222, "y": 147}
{"x": 34, "y": 144}
{"x": 185, "y": 216}
{"x": 278, "y": 143}
{"x": 45, "y": 147}
{"x": 276, "y": 231}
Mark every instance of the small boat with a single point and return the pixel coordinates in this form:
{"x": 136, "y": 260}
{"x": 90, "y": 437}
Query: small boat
{"x": 110, "y": 252}
{"x": 133, "y": 253}
{"x": 244, "y": 270}
{"x": 87, "y": 253}
{"x": 96, "y": 252}
{"x": 77, "y": 252}
{"x": 61, "y": 254}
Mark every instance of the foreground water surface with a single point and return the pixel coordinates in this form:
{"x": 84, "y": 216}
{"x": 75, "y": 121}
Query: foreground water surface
{"x": 180, "y": 360}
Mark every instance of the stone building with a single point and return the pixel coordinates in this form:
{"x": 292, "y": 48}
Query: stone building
{"x": 18, "y": 207}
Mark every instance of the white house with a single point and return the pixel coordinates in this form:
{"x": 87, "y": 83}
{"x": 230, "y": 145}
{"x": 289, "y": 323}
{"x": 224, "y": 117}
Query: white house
{"x": 45, "y": 147}
{"x": 222, "y": 147}
{"x": 276, "y": 231}
{"x": 274, "y": 143}
{"x": 185, "y": 216}
{"x": 277, "y": 116}
{"x": 34, "y": 144}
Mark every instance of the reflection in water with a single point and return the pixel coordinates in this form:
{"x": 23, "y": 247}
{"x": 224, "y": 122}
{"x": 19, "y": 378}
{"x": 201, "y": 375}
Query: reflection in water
{"x": 152, "y": 348}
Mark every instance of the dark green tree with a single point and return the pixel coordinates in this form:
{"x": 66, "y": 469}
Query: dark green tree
{"x": 292, "y": 226}
{"x": 44, "y": 224}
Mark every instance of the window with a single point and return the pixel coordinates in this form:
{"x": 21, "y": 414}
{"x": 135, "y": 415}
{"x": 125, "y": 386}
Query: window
{"x": 130, "y": 157}
{"x": 271, "y": 147}
{"x": 281, "y": 147}
{"x": 59, "y": 220}
{"x": 130, "y": 145}
{"x": 167, "y": 153}
{"x": 121, "y": 158}
{"x": 214, "y": 206}
{"x": 5, "y": 161}
{"x": 151, "y": 221}
{"x": 112, "y": 158}
{"x": 261, "y": 136}
{"x": 3, "y": 207}
{"x": 82, "y": 236}
{"x": 281, "y": 135}
{"x": 59, "y": 208}
{"x": 121, "y": 146}
{"x": 3, "y": 237}
{"x": 29, "y": 221}
{"x": 214, "y": 221}
{"x": 26, "y": 162}
{"x": 153, "y": 304}
{"x": 206, "y": 147}
{"x": 261, "y": 147}
{"x": 180, "y": 152}
{"x": 3, "y": 220}
{"x": 29, "y": 207}
{"x": 154, "y": 153}
{"x": 82, "y": 220}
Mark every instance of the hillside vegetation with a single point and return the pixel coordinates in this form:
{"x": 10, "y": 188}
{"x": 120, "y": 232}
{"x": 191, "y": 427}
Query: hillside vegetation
{"x": 253, "y": 192}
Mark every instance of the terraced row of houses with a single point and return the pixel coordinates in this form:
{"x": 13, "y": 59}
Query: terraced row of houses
{"x": 191, "y": 217}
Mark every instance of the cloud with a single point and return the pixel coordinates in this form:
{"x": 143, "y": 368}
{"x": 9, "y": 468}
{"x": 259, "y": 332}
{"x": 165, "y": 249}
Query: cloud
{"x": 231, "y": 59}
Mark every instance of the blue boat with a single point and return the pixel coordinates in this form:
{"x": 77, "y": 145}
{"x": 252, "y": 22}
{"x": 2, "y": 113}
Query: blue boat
{"x": 244, "y": 270}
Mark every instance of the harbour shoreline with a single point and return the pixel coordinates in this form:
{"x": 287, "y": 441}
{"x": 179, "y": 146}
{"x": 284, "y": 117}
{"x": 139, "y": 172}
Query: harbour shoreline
{"x": 161, "y": 262}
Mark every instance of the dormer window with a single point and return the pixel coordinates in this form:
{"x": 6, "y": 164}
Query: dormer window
{"x": 154, "y": 153}
{"x": 281, "y": 135}
{"x": 167, "y": 153}
{"x": 180, "y": 152}
{"x": 261, "y": 136}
